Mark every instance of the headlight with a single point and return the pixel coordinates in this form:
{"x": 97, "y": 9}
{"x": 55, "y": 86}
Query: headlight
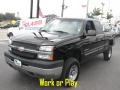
{"x": 46, "y": 48}
{"x": 46, "y": 52}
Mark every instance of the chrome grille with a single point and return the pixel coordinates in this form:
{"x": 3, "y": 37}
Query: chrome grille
{"x": 24, "y": 54}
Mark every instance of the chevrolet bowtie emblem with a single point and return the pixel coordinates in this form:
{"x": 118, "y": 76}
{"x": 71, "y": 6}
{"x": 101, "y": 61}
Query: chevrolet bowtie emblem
{"x": 21, "y": 49}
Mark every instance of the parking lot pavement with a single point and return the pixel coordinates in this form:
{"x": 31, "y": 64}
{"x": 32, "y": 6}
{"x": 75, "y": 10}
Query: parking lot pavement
{"x": 4, "y": 42}
{"x": 96, "y": 74}
{"x": 3, "y": 34}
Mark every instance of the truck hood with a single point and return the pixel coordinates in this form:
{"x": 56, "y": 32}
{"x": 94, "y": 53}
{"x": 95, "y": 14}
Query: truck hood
{"x": 37, "y": 39}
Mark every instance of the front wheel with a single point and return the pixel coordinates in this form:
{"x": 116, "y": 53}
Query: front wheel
{"x": 107, "y": 54}
{"x": 71, "y": 69}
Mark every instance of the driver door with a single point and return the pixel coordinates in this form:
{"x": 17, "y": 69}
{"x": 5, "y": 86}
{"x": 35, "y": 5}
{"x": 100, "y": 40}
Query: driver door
{"x": 90, "y": 46}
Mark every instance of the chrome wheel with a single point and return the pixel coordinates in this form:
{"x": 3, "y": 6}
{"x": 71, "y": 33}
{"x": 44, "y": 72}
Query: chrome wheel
{"x": 73, "y": 73}
{"x": 110, "y": 53}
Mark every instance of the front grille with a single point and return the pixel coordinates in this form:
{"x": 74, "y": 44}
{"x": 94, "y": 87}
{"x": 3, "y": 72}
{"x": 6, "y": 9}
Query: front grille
{"x": 23, "y": 54}
{"x": 25, "y": 45}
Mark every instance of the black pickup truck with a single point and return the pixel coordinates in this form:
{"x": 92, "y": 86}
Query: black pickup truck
{"x": 59, "y": 48}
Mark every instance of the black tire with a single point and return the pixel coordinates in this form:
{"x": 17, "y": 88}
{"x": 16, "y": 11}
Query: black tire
{"x": 107, "y": 54}
{"x": 68, "y": 65}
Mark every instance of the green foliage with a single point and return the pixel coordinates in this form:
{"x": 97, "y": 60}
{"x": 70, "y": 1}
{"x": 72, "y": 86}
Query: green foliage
{"x": 109, "y": 15}
{"x": 89, "y": 15}
{"x": 50, "y": 17}
{"x": 2, "y": 17}
{"x": 8, "y": 16}
{"x": 96, "y": 12}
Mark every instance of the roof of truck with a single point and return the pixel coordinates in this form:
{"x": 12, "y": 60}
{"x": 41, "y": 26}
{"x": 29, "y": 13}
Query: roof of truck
{"x": 80, "y": 19}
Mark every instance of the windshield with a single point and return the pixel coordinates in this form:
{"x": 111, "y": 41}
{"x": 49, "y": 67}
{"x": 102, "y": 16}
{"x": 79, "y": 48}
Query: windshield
{"x": 69, "y": 26}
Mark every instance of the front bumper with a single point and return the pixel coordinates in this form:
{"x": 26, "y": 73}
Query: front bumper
{"x": 36, "y": 68}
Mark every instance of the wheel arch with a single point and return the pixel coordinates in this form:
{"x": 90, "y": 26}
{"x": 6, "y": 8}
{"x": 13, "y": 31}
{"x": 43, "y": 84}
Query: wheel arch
{"x": 74, "y": 53}
{"x": 111, "y": 42}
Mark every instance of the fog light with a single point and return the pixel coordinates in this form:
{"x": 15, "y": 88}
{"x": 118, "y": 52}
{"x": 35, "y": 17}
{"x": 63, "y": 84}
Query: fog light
{"x": 44, "y": 56}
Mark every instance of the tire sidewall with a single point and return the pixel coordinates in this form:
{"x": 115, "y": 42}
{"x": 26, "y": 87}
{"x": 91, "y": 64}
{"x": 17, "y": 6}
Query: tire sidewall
{"x": 106, "y": 54}
{"x": 67, "y": 66}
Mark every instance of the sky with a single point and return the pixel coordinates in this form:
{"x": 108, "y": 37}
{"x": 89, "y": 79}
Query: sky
{"x": 22, "y": 7}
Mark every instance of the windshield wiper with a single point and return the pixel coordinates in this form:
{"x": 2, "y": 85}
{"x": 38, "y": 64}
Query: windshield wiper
{"x": 35, "y": 34}
{"x": 61, "y": 32}
{"x": 42, "y": 35}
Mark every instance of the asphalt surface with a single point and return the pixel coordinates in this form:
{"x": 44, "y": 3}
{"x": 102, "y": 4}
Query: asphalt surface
{"x": 3, "y": 34}
{"x": 96, "y": 74}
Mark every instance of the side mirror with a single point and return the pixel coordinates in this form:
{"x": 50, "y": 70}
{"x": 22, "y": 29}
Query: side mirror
{"x": 91, "y": 33}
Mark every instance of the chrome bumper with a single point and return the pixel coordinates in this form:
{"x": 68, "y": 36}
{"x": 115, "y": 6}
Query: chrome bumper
{"x": 53, "y": 73}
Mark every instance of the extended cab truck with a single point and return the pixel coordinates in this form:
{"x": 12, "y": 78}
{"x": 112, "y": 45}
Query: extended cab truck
{"x": 59, "y": 48}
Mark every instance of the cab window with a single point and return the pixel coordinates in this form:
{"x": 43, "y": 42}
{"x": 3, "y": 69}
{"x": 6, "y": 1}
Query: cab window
{"x": 90, "y": 26}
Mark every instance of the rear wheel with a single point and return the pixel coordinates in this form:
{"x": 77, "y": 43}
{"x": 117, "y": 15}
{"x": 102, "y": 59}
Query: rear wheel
{"x": 107, "y": 54}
